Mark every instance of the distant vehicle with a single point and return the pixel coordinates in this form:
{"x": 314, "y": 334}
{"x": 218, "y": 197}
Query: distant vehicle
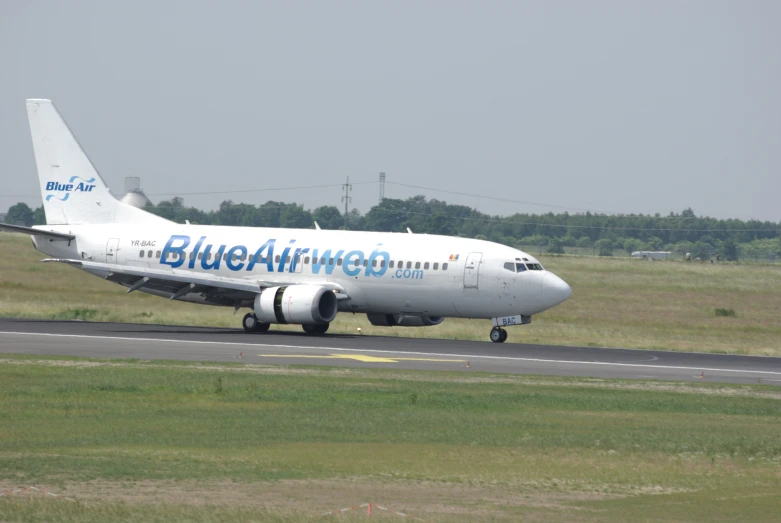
{"x": 651, "y": 255}
{"x": 293, "y": 276}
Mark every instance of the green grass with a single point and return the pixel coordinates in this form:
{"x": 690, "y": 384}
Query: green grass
{"x": 616, "y": 303}
{"x": 118, "y": 435}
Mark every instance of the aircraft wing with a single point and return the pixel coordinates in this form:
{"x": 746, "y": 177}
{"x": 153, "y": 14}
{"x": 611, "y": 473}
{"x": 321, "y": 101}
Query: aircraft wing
{"x": 37, "y": 232}
{"x": 216, "y": 290}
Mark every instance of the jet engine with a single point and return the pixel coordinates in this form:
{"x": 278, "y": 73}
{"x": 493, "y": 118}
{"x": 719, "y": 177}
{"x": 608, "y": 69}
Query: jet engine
{"x": 407, "y": 320}
{"x": 305, "y": 304}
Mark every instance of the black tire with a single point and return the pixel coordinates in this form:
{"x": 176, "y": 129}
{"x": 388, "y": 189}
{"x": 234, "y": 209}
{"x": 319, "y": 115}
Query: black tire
{"x": 496, "y": 335}
{"x": 316, "y": 329}
{"x": 504, "y": 335}
{"x": 251, "y": 324}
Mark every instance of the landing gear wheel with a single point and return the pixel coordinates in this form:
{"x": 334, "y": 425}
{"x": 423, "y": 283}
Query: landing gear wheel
{"x": 310, "y": 328}
{"x": 498, "y": 335}
{"x": 251, "y": 324}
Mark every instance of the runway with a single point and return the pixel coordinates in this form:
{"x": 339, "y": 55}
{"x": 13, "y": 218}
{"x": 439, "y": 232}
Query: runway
{"x": 118, "y": 340}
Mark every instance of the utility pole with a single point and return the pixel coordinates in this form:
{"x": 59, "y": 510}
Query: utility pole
{"x": 382, "y": 187}
{"x": 348, "y": 188}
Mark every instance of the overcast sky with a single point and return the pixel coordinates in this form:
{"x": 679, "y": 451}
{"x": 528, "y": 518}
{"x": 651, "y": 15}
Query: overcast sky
{"x": 609, "y": 106}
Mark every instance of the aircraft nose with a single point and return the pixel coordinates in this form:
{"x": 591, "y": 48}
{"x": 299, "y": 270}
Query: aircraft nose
{"x": 554, "y": 290}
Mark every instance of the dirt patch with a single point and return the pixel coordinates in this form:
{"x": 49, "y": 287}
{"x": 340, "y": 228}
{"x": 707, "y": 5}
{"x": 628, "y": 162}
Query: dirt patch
{"x": 418, "y": 499}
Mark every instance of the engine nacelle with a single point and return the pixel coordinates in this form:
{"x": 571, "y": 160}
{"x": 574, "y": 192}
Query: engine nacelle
{"x": 305, "y": 304}
{"x": 390, "y": 320}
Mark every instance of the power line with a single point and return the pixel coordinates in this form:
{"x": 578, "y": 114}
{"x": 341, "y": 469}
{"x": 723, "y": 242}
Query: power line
{"x": 496, "y": 198}
{"x": 267, "y": 189}
{"x": 596, "y": 211}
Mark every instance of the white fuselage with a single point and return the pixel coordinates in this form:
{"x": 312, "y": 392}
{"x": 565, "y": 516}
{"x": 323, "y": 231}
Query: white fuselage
{"x": 439, "y": 276}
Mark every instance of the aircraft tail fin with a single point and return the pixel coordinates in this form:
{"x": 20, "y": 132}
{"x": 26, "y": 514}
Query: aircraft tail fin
{"x": 72, "y": 190}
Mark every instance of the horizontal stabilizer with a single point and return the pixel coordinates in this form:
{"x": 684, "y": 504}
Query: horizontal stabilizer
{"x": 37, "y": 232}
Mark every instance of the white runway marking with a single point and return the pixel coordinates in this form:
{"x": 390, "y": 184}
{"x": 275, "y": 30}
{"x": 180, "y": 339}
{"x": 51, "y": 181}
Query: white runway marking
{"x": 464, "y": 356}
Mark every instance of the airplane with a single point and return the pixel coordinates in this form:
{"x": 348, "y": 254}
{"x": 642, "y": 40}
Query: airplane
{"x": 283, "y": 276}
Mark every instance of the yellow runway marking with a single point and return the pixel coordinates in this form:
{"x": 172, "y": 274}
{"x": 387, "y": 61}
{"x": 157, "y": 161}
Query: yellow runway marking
{"x": 359, "y": 357}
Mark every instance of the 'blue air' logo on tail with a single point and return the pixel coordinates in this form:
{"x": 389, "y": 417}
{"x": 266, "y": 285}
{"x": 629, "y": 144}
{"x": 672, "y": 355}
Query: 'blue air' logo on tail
{"x": 82, "y": 186}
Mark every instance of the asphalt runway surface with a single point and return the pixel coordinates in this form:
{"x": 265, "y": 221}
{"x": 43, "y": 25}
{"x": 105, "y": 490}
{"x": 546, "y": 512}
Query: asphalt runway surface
{"x": 147, "y": 342}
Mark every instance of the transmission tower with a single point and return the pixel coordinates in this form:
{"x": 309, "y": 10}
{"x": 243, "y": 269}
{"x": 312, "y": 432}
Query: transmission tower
{"x": 382, "y": 187}
{"x": 347, "y": 199}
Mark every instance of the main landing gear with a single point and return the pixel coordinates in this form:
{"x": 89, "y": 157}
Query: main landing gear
{"x": 251, "y": 324}
{"x": 498, "y": 335}
{"x": 320, "y": 328}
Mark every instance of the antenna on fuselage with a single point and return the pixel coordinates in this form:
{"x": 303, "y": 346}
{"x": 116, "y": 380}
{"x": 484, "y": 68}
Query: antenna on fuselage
{"x": 410, "y": 230}
{"x": 317, "y": 226}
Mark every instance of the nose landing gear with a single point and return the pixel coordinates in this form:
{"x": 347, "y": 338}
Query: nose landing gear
{"x": 251, "y": 324}
{"x": 498, "y": 335}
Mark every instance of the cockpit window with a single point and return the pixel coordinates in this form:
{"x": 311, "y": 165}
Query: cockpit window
{"x": 521, "y": 267}
{"x": 535, "y": 267}
{"x": 510, "y": 266}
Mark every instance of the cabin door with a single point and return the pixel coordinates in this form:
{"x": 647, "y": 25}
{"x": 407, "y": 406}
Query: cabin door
{"x": 472, "y": 269}
{"x": 111, "y": 250}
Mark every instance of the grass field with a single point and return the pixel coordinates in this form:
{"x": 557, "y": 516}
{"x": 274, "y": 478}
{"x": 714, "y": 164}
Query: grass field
{"x": 616, "y": 303}
{"x": 141, "y": 441}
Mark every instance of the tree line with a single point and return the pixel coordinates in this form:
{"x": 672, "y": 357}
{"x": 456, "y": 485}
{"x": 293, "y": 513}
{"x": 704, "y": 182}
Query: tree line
{"x": 601, "y": 234}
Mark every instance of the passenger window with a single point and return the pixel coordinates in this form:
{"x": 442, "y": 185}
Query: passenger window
{"x": 306, "y": 260}
{"x": 520, "y": 267}
{"x": 401, "y": 265}
{"x": 374, "y": 263}
{"x": 141, "y": 255}
{"x": 382, "y": 264}
{"x": 425, "y": 265}
{"x": 444, "y": 266}
{"x": 436, "y": 266}
{"x": 243, "y": 257}
{"x": 314, "y": 261}
{"x": 409, "y": 265}
{"x": 365, "y": 263}
{"x": 339, "y": 262}
{"x": 158, "y": 254}
{"x": 209, "y": 257}
{"x": 417, "y": 265}
{"x": 330, "y": 261}
{"x": 149, "y": 254}
{"x": 510, "y": 266}
{"x": 390, "y": 265}
{"x": 277, "y": 258}
{"x": 200, "y": 255}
